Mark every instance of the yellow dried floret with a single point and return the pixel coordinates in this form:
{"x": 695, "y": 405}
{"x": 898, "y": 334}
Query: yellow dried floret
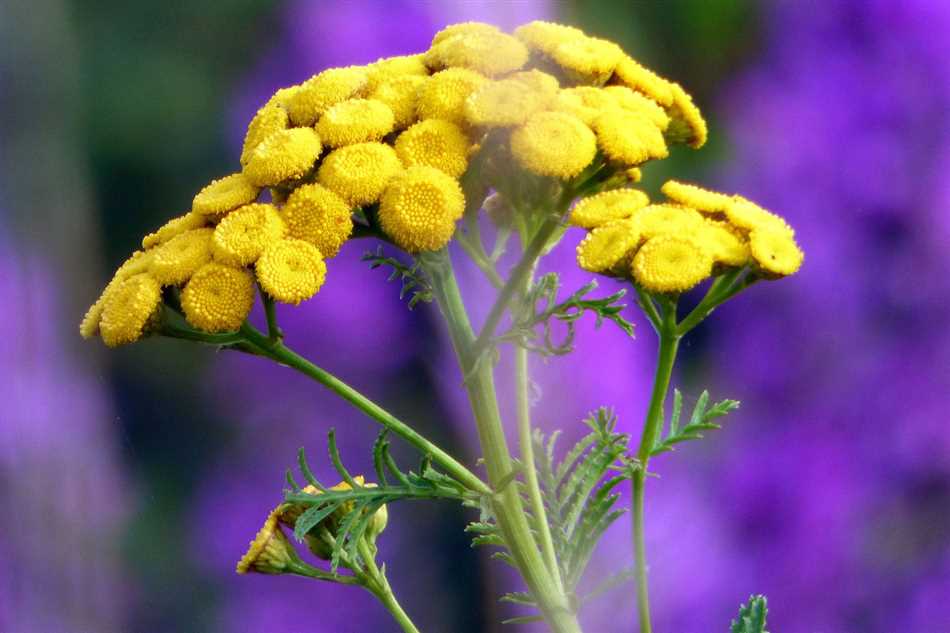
{"x": 284, "y": 155}
{"x": 291, "y": 270}
{"x": 175, "y": 226}
{"x": 504, "y": 103}
{"x": 420, "y": 208}
{"x": 317, "y": 94}
{"x": 670, "y": 263}
{"x": 270, "y": 552}
{"x": 546, "y": 36}
{"x": 443, "y": 95}
{"x": 435, "y": 143}
{"x": 628, "y": 137}
{"x": 218, "y": 297}
{"x": 128, "y": 308}
{"x": 389, "y": 68}
{"x": 241, "y": 237}
{"x": 686, "y": 121}
{"x": 175, "y": 261}
{"x": 359, "y": 173}
{"x": 224, "y": 194}
{"x": 775, "y": 252}
{"x": 697, "y": 197}
{"x": 665, "y": 219}
{"x": 593, "y": 211}
{"x": 463, "y": 28}
{"x": 747, "y": 215}
{"x": 589, "y": 59}
{"x": 554, "y": 144}
{"x": 319, "y": 216}
{"x": 635, "y": 102}
{"x": 631, "y": 74}
{"x": 608, "y": 248}
{"x": 269, "y": 119}
{"x": 400, "y": 94}
{"x": 724, "y": 243}
{"x": 490, "y": 53}
{"x": 355, "y": 121}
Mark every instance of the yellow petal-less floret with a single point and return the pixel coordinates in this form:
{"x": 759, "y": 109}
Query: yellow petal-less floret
{"x": 420, "y": 208}
{"x": 241, "y": 237}
{"x": 581, "y": 102}
{"x": 389, "y": 68}
{"x": 359, "y": 173}
{"x": 128, "y": 308}
{"x": 435, "y": 143}
{"x": 225, "y": 194}
{"x": 687, "y": 124}
{"x": 691, "y": 195}
{"x": 546, "y": 36}
{"x": 671, "y": 264}
{"x": 587, "y": 59}
{"x": 175, "y": 226}
{"x": 608, "y": 248}
{"x": 270, "y": 552}
{"x": 317, "y": 94}
{"x": 630, "y": 73}
{"x": 175, "y": 261}
{"x": 634, "y": 101}
{"x": 724, "y": 243}
{"x": 317, "y": 215}
{"x": 443, "y": 95}
{"x": 218, "y": 297}
{"x": 554, "y": 144}
{"x": 291, "y": 270}
{"x": 463, "y": 28}
{"x": 628, "y": 137}
{"x": 355, "y": 121}
{"x": 504, "y": 103}
{"x": 775, "y": 252}
{"x": 284, "y": 155}
{"x": 489, "y": 53}
{"x": 269, "y": 119}
{"x": 665, "y": 219}
{"x": 539, "y": 81}
{"x": 747, "y": 215}
{"x": 400, "y": 94}
{"x": 137, "y": 263}
{"x": 605, "y": 207}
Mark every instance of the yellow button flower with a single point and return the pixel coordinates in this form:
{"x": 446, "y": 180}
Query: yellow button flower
{"x": 669, "y": 263}
{"x": 775, "y": 252}
{"x": 443, "y": 95}
{"x": 608, "y": 248}
{"x": 618, "y": 204}
{"x": 747, "y": 215}
{"x": 291, "y": 270}
{"x": 359, "y": 173}
{"x": 630, "y": 73}
{"x": 355, "y": 121}
{"x": 628, "y": 137}
{"x": 387, "y": 69}
{"x": 697, "y": 197}
{"x": 400, "y": 94}
{"x": 128, "y": 308}
{"x": 218, "y": 297}
{"x": 139, "y": 262}
{"x": 175, "y": 261}
{"x": 319, "y": 216}
{"x": 664, "y": 219}
{"x": 587, "y": 59}
{"x": 463, "y": 28}
{"x": 636, "y": 102}
{"x": 173, "y": 227}
{"x": 435, "y": 143}
{"x": 539, "y": 81}
{"x": 546, "y": 36}
{"x": 317, "y": 94}
{"x": 269, "y": 119}
{"x": 270, "y": 552}
{"x": 241, "y": 237}
{"x": 420, "y": 208}
{"x": 504, "y": 103}
{"x": 687, "y": 124}
{"x": 554, "y": 144}
{"x": 224, "y": 194}
{"x": 724, "y": 243}
{"x": 489, "y": 53}
{"x": 284, "y": 155}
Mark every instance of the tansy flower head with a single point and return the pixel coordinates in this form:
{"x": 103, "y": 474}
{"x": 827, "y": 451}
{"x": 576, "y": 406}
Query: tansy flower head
{"x": 775, "y": 252}
{"x": 546, "y": 36}
{"x": 176, "y": 260}
{"x": 359, "y": 173}
{"x": 400, "y": 94}
{"x": 705, "y": 200}
{"x": 463, "y": 28}
{"x": 669, "y": 263}
{"x": 128, "y": 308}
{"x": 630, "y": 73}
{"x": 317, "y": 94}
{"x": 554, "y": 144}
{"x": 724, "y": 243}
{"x": 355, "y": 121}
{"x": 173, "y": 227}
{"x": 384, "y": 70}
{"x": 420, "y": 208}
{"x": 443, "y": 95}
{"x": 587, "y": 59}
{"x": 504, "y": 103}
{"x": 270, "y": 552}
{"x": 218, "y": 298}
{"x": 745, "y": 214}
{"x": 319, "y": 216}
{"x": 635, "y": 102}
{"x": 583, "y": 102}
{"x": 242, "y": 236}
{"x": 540, "y": 82}
{"x": 608, "y": 248}
{"x": 593, "y": 211}
{"x": 490, "y": 53}
{"x": 284, "y": 155}
{"x": 435, "y": 143}
{"x": 139, "y": 262}
{"x": 291, "y": 270}
{"x": 663, "y": 219}
{"x": 269, "y": 119}
{"x": 687, "y": 124}
{"x": 224, "y": 194}
{"x": 629, "y": 138}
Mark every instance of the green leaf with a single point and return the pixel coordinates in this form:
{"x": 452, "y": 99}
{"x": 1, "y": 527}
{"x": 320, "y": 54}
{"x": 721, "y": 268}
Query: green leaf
{"x": 414, "y": 281}
{"x": 752, "y": 616}
{"x": 519, "y": 597}
{"x": 701, "y": 419}
{"x": 312, "y": 516}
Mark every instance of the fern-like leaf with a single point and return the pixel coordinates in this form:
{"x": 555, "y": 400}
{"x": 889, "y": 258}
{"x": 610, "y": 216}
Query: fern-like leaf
{"x": 701, "y": 419}
{"x": 414, "y": 282}
{"x": 752, "y": 616}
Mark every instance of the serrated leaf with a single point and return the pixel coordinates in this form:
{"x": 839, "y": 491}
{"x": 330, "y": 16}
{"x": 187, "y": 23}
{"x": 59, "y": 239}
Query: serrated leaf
{"x": 312, "y": 516}
{"x": 752, "y": 616}
{"x": 518, "y": 597}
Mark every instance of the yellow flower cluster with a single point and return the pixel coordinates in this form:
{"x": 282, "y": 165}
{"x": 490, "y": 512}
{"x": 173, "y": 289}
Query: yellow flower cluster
{"x": 671, "y": 246}
{"x": 387, "y": 144}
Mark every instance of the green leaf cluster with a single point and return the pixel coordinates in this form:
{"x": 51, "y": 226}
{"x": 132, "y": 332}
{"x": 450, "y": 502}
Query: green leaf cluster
{"x": 752, "y": 616}
{"x": 701, "y": 419}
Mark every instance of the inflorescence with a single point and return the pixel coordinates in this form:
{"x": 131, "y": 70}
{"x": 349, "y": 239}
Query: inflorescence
{"x": 387, "y": 147}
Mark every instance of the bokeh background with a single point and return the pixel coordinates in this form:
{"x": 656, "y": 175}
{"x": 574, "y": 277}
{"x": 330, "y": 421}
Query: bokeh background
{"x": 131, "y": 481}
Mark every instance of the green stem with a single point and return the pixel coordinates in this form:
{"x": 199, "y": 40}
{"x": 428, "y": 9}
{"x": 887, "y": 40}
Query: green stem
{"x": 666, "y": 357}
{"x": 270, "y": 310}
{"x": 301, "y": 568}
{"x": 724, "y": 288}
{"x": 379, "y": 586}
{"x": 279, "y": 352}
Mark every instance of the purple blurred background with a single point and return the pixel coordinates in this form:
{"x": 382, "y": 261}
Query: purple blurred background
{"x": 134, "y": 479}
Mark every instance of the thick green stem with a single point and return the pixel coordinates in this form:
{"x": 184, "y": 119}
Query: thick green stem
{"x": 380, "y": 588}
{"x": 284, "y": 355}
{"x": 666, "y": 357}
